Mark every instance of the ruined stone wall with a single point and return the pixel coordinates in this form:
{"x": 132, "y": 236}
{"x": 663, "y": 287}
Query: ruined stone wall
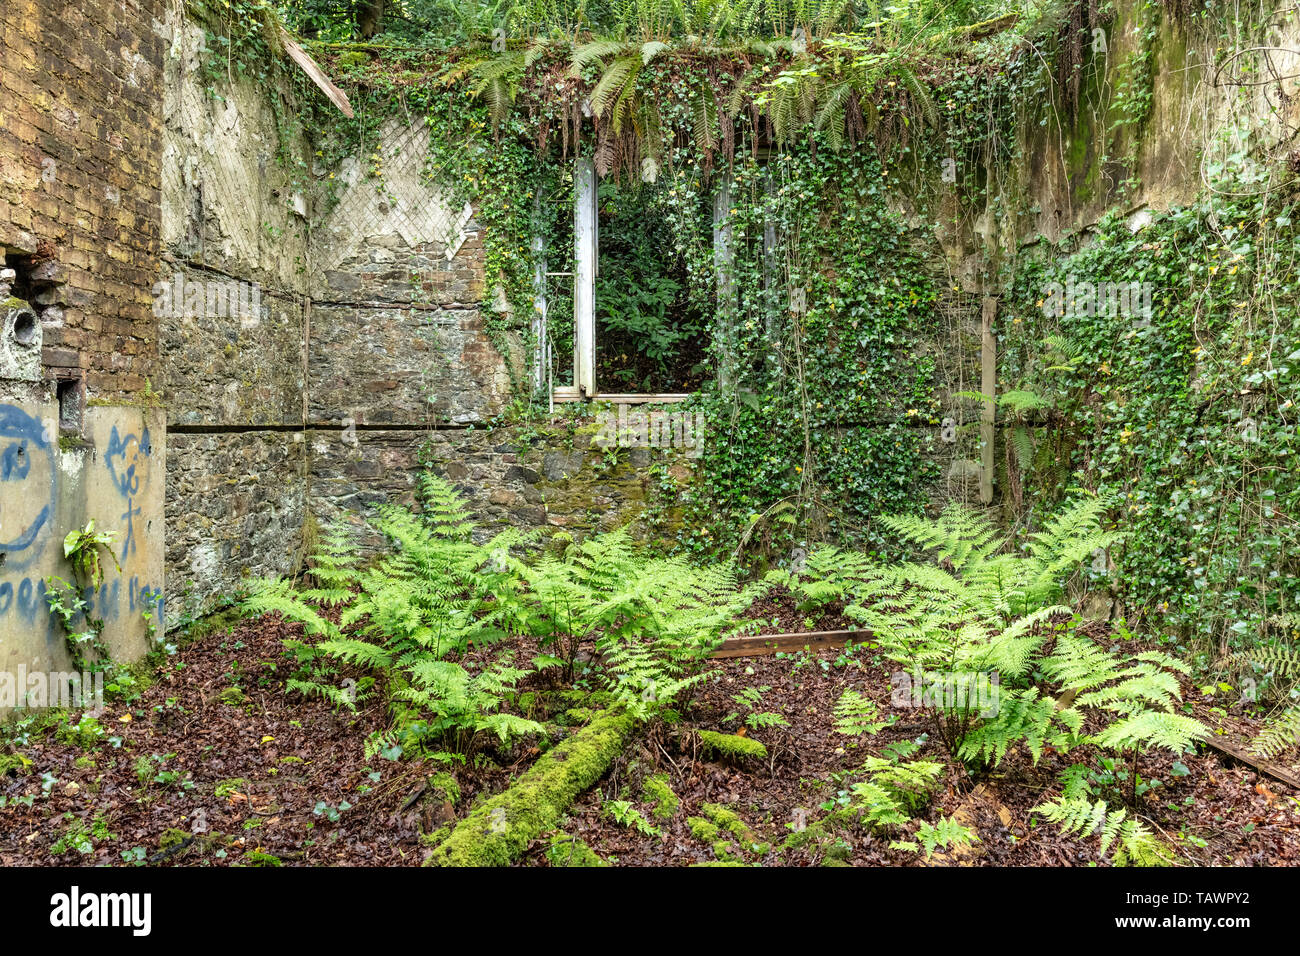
{"x": 368, "y": 357}
{"x": 401, "y": 363}
{"x": 365, "y": 358}
{"x": 234, "y": 304}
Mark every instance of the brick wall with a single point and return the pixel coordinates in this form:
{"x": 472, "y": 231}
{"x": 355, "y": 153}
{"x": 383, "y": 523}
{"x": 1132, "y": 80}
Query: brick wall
{"x": 80, "y": 161}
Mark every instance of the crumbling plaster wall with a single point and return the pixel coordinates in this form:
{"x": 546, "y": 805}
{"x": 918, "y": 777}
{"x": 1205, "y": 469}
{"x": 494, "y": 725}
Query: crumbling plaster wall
{"x": 233, "y": 222}
{"x": 367, "y": 360}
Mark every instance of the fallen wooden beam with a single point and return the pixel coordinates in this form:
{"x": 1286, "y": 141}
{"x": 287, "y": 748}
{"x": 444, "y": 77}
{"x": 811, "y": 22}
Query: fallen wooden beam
{"x": 316, "y": 74}
{"x": 1255, "y": 763}
{"x": 759, "y": 645}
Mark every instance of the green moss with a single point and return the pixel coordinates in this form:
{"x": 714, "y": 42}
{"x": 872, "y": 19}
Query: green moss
{"x": 443, "y": 786}
{"x": 702, "y": 829}
{"x": 436, "y": 837}
{"x": 502, "y": 827}
{"x": 730, "y": 745}
{"x": 577, "y": 716}
{"x": 72, "y": 443}
{"x": 172, "y": 837}
{"x": 261, "y": 858}
{"x": 719, "y": 827}
{"x": 720, "y": 863}
{"x": 656, "y": 790}
{"x": 233, "y": 785}
{"x": 220, "y": 620}
{"x": 568, "y": 850}
{"x": 730, "y": 822}
{"x": 16, "y": 764}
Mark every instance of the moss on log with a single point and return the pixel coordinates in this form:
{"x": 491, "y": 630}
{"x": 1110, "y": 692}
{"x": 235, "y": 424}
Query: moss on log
{"x": 501, "y": 829}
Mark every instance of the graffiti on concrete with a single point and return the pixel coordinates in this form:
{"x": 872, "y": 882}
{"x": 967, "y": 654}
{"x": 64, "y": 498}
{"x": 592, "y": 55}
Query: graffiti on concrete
{"x": 127, "y": 459}
{"x": 30, "y": 518}
{"x": 27, "y": 487}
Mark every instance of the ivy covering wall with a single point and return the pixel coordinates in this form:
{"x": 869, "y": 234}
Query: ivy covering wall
{"x": 867, "y": 170}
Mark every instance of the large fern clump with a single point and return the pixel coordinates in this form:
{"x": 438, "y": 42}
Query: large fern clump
{"x": 411, "y": 617}
{"x": 652, "y": 621}
{"x": 974, "y": 564}
{"x": 407, "y": 618}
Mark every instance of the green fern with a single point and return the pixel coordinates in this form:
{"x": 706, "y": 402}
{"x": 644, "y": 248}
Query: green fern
{"x": 402, "y": 619}
{"x": 856, "y": 715}
{"x": 1281, "y": 732}
{"x": 1134, "y": 844}
{"x": 946, "y": 833}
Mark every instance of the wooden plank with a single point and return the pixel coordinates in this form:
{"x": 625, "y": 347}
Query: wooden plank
{"x": 988, "y": 386}
{"x": 760, "y": 645}
{"x": 1255, "y": 763}
{"x": 316, "y": 74}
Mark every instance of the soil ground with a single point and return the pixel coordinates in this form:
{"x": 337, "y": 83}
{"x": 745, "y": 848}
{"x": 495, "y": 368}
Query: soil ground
{"x": 216, "y": 764}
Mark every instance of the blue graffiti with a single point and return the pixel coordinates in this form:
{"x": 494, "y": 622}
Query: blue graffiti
{"x": 123, "y": 458}
{"x": 27, "y": 601}
{"x": 29, "y": 504}
{"x": 15, "y": 462}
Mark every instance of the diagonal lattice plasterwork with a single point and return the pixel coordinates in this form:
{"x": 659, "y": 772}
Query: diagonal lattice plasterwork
{"x": 397, "y": 201}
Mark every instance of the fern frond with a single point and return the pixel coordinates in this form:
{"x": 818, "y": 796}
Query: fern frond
{"x": 1134, "y": 844}
{"x": 1280, "y": 733}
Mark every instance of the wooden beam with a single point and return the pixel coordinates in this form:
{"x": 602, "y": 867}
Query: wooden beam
{"x": 988, "y": 386}
{"x": 315, "y": 73}
{"x": 761, "y": 645}
{"x": 1255, "y": 763}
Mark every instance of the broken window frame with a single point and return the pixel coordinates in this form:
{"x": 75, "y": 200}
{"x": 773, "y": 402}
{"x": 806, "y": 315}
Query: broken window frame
{"x": 586, "y": 263}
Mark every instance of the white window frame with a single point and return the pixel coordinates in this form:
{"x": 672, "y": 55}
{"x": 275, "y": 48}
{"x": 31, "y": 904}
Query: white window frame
{"x": 586, "y": 242}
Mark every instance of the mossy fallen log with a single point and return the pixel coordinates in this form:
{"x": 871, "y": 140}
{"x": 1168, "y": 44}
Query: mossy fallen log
{"x": 501, "y": 829}
{"x": 732, "y": 745}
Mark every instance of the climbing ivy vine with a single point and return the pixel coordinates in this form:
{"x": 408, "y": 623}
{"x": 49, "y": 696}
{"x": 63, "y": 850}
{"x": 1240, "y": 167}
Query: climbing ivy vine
{"x": 847, "y": 155}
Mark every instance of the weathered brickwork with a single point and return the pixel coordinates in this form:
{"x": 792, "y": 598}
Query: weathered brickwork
{"x": 80, "y": 161}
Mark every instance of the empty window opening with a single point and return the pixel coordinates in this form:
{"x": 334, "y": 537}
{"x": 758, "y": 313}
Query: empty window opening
{"x": 71, "y": 394}
{"x": 652, "y": 324}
